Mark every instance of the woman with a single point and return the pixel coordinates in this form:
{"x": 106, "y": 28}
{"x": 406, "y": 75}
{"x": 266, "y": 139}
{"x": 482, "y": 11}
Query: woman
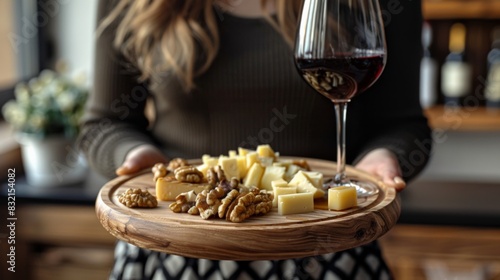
{"x": 221, "y": 76}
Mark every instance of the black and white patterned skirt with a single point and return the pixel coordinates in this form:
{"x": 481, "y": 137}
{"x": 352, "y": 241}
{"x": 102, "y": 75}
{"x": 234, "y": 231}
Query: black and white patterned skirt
{"x": 133, "y": 263}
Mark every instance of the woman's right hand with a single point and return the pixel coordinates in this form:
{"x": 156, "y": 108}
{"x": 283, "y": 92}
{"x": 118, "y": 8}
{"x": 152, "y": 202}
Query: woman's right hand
{"x": 139, "y": 158}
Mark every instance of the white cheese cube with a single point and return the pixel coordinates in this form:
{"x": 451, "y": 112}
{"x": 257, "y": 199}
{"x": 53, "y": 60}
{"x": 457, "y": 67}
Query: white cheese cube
{"x": 271, "y": 173}
{"x": 209, "y": 161}
{"x": 203, "y": 169}
{"x": 279, "y": 183}
{"x": 242, "y": 166}
{"x": 291, "y": 170}
{"x": 316, "y": 178}
{"x": 295, "y": 203}
{"x": 304, "y": 185}
{"x": 266, "y": 161}
{"x": 230, "y": 167}
{"x": 252, "y": 157}
{"x": 277, "y": 191}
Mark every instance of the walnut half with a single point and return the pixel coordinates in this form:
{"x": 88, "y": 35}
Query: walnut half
{"x": 136, "y": 198}
{"x": 188, "y": 174}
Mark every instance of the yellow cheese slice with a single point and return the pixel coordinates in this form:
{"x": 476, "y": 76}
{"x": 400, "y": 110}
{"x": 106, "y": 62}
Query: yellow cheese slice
{"x": 295, "y": 203}
{"x": 169, "y": 190}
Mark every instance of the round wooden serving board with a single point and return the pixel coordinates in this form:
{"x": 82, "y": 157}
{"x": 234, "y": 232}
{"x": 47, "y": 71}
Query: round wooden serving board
{"x": 266, "y": 237}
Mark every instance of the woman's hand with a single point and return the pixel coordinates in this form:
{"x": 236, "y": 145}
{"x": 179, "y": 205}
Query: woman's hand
{"x": 383, "y": 164}
{"x": 141, "y": 157}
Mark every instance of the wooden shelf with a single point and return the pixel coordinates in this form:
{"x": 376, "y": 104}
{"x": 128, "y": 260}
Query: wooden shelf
{"x": 464, "y": 119}
{"x": 461, "y": 9}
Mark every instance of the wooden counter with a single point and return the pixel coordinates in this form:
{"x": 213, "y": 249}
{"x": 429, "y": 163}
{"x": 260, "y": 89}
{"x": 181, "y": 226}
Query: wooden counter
{"x": 464, "y": 119}
{"x": 462, "y": 9}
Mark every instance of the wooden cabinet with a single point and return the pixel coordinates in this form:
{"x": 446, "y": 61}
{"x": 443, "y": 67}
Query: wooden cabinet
{"x": 414, "y": 252}
{"x": 60, "y": 242}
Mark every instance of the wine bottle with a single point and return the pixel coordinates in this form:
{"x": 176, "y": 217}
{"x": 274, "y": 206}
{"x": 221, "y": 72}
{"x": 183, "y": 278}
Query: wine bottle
{"x": 428, "y": 70}
{"x": 492, "y": 90}
{"x": 456, "y": 72}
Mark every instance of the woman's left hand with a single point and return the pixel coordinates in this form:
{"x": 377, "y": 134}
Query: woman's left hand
{"x": 383, "y": 164}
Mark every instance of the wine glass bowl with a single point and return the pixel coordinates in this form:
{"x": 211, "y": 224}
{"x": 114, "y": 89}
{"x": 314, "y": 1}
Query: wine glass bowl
{"x": 340, "y": 51}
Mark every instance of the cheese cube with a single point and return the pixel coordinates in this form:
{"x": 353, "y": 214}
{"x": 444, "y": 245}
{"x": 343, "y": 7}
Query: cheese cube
{"x": 341, "y": 198}
{"x": 243, "y": 152}
{"x": 279, "y": 183}
{"x": 271, "y": 173}
{"x": 230, "y": 167}
{"x": 316, "y": 178}
{"x": 252, "y": 157}
{"x": 232, "y": 153}
{"x": 278, "y": 191}
{"x": 242, "y": 165}
{"x": 168, "y": 191}
{"x": 291, "y": 170}
{"x": 265, "y": 151}
{"x": 266, "y": 161}
{"x": 209, "y": 161}
{"x": 203, "y": 169}
{"x": 303, "y": 184}
{"x": 254, "y": 175}
{"x": 295, "y": 203}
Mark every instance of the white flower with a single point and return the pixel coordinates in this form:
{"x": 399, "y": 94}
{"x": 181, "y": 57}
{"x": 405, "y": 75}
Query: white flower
{"x": 15, "y": 114}
{"x": 50, "y": 103}
{"x": 47, "y": 76}
{"x": 38, "y": 121}
{"x": 66, "y": 101}
{"x": 22, "y": 93}
{"x": 41, "y": 101}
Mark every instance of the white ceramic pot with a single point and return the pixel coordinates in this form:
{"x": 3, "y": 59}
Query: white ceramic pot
{"x": 51, "y": 161}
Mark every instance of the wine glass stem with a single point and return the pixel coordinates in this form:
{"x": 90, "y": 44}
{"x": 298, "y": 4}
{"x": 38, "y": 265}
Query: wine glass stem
{"x": 340, "y": 113}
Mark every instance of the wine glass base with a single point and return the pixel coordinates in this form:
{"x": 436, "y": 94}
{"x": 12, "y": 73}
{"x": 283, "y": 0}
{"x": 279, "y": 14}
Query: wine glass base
{"x": 363, "y": 188}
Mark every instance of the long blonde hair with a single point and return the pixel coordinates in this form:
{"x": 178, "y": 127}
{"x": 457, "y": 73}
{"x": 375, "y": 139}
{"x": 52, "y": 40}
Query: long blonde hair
{"x": 182, "y": 33}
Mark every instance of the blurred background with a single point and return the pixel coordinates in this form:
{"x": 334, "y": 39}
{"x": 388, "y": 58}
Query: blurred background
{"x": 449, "y": 226}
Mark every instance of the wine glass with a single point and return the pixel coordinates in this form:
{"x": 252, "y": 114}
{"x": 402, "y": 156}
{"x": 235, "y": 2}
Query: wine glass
{"x": 340, "y": 51}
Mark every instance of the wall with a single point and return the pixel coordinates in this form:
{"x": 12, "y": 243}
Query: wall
{"x": 465, "y": 157}
{"x": 71, "y": 30}
{"x": 7, "y": 52}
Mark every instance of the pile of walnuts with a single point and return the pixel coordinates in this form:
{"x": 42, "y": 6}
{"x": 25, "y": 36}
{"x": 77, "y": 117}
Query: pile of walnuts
{"x": 226, "y": 199}
{"x": 137, "y": 198}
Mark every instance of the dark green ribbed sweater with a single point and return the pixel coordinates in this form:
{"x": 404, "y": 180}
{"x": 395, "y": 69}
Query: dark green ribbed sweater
{"x": 252, "y": 94}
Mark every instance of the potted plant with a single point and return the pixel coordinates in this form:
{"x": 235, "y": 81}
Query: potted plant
{"x": 45, "y": 116}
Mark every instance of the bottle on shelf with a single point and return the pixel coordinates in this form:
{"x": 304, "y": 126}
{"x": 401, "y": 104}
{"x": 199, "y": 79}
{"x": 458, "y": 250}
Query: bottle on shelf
{"x": 428, "y": 70}
{"x": 492, "y": 89}
{"x": 456, "y": 72}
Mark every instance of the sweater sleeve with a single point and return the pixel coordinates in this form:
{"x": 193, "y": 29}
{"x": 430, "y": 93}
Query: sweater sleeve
{"x": 114, "y": 121}
{"x": 397, "y": 122}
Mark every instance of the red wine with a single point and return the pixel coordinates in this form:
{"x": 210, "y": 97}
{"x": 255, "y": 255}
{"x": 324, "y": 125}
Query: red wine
{"x": 341, "y": 78}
